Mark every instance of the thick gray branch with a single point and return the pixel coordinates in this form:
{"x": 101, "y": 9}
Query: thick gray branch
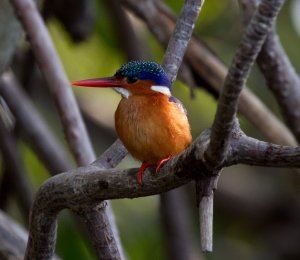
{"x": 249, "y": 47}
{"x": 89, "y": 185}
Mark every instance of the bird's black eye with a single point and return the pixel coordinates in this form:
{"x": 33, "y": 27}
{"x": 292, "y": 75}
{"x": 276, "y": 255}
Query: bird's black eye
{"x": 131, "y": 79}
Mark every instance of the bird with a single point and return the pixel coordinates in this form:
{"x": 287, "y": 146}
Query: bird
{"x": 151, "y": 123}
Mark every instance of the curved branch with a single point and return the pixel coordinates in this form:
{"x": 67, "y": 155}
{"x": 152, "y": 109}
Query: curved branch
{"x": 89, "y": 185}
{"x": 249, "y": 47}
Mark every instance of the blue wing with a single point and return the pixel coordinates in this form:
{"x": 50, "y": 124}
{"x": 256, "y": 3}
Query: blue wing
{"x": 178, "y": 103}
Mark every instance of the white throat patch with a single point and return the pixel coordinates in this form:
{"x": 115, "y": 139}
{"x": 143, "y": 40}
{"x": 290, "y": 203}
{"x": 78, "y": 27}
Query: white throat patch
{"x": 124, "y": 92}
{"x": 162, "y": 89}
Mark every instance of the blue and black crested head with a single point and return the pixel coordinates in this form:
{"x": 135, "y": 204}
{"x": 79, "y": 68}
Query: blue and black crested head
{"x": 144, "y": 70}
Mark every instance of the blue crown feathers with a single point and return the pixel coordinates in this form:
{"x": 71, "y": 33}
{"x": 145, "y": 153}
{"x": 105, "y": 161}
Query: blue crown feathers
{"x": 145, "y": 70}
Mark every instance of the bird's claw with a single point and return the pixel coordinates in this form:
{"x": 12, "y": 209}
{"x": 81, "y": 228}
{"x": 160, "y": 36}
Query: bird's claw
{"x": 161, "y": 162}
{"x": 144, "y": 166}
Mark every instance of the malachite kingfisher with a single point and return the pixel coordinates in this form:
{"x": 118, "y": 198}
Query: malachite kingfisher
{"x": 151, "y": 123}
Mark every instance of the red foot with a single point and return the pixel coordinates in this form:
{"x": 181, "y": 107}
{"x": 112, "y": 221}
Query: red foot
{"x": 161, "y": 162}
{"x": 144, "y": 166}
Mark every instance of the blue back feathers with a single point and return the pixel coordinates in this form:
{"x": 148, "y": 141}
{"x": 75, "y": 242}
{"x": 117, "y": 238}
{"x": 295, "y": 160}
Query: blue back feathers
{"x": 145, "y": 70}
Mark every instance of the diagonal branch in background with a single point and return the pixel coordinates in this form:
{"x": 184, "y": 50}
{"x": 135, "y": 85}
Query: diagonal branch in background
{"x": 12, "y": 239}
{"x": 75, "y": 131}
{"x": 14, "y": 170}
{"x": 53, "y": 72}
{"x": 32, "y": 127}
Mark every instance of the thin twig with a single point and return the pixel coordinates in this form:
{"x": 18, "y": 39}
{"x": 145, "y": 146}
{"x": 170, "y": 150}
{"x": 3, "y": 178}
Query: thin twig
{"x": 181, "y": 36}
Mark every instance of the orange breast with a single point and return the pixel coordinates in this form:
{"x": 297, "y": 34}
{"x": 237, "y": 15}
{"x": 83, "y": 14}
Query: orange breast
{"x": 151, "y": 127}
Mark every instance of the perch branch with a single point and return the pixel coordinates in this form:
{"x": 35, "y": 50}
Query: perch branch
{"x": 89, "y": 185}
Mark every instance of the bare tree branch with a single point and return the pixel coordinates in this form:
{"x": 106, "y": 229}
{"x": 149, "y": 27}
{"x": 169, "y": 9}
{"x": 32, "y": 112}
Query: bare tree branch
{"x": 53, "y": 72}
{"x": 281, "y": 77}
{"x": 112, "y": 156}
{"x": 247, "y": 52}
{"x": 223, "y": 124}
{"x": 181, "y": 36}
{"x": 33, "y": 128}
{"x": 88, "y": 185}
{"x": 10, "y": 33}
{"x": 177, "y": 229}
{"x": 12, "y": 239}
{"x": 14, "y": 169}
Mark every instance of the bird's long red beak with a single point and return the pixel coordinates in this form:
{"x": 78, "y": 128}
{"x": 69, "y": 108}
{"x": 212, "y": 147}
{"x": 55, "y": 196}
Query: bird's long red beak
{"x": 100, "y": 83}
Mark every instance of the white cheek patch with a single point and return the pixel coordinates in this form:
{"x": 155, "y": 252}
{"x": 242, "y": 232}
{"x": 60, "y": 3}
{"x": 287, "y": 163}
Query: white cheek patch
{"x": 162, "y": 89}
{"x": 124, "y": 92}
